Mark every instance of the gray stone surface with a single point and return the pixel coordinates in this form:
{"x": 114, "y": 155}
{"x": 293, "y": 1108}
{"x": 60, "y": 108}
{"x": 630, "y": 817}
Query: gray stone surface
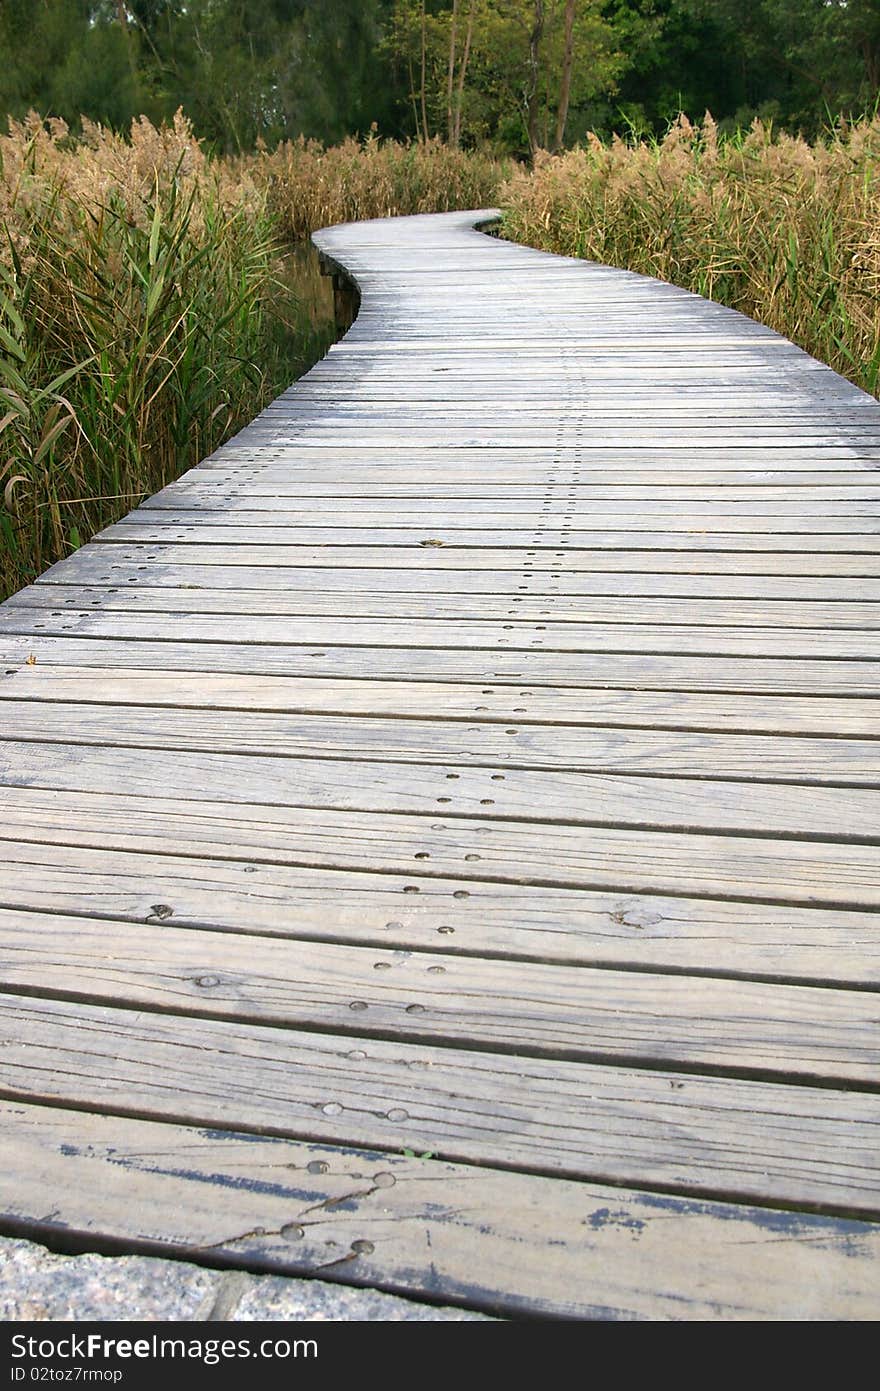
{"x": 37, "y": 1285}
{"x": 275, "y": 1297}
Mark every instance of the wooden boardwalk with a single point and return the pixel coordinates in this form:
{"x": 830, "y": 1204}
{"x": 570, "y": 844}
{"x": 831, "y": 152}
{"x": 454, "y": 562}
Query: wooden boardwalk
{"x": 440, "y": 831}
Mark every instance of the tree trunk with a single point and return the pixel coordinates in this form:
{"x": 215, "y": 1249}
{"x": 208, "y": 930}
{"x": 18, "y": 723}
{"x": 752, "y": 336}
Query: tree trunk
{"x": 535, "y": 36}
{"x": 565, "y": 83}
{"x": 450, "y": 75}
{"x": 462, "y": 71}
{"x": 871, "y": 60}
{"x": 123, "y": 21}
{"x": 424, "y": 69}
{"x": 412, "y": 95}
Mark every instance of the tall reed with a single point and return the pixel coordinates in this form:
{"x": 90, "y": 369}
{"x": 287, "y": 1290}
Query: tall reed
{"x": 141, "y": 321}
{"x": 311, "y": 185}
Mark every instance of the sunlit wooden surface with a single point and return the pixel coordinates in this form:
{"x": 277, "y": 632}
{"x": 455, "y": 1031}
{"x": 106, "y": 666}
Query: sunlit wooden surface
{"x": 440, "y": 831}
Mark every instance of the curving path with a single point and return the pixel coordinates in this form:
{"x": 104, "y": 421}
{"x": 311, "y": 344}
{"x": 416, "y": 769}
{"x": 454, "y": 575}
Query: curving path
{"x": 440, "y": 831}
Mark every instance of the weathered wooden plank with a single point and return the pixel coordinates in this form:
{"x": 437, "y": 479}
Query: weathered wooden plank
{"x": 693, "y": 561}
{"x": 483, "y": 346}
{"x": 586, "y": 514}
{"x": 635, "y": 440}
{"x": 644, "y": 671}
{"x": 522, "y": 636}
{"x": 808, "y": 491}
{"x": 574, "y": 927}
{"x": 538, "y": 420}
{"x": 717, "y": 1137}
{"x": 719, "y": 411}
{"x": 608, "y": 409}
{"x": 609, "y": 402}
{"x": 363, "y": 603}
{"x": 855, "y": 537}
{"x": 812, "y": 872}
{"x": 778, "y": 714}
{"x": 565, "y": 466}
{"x": 679, "y": 752}
{"x": 505, "y": 1242}
{"x": 98, "y": 569}
{"x": 451, "y": 789}
{"x": 638, "y": 1018}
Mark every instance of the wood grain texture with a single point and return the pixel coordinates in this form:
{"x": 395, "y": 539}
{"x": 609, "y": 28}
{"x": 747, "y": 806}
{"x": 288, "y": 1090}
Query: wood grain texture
{"x": 504, "y": 635}
{"x": 278, "y": 542}
{"x": 394, "y": 525}
{"x": 451, "y": 789}
{"x": 491, "y": 920}
{"x": 642, "y": 671}
{"x": 683, "y": 753}
{"x": 478, "y": 756}
{"x": 715, "y": 1137}
{"x": 534, "y": 608}
{"x": 645, "y": 558}
{"x": 635, "y": 1017}
{"x": 116, "y": 578}
{"x": 824, "y": 873}
{"x": 445, "y": 700}
{"x": 507, "y": 1243}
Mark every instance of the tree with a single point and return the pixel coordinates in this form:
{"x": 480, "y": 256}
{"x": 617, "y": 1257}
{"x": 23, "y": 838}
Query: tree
{"x": 794, "y": 61}
{"x": 505, "y": 70}
{"x": 459, "y": 58}
{"x": 830, "y": 50}
{"x": 520, "y": 74}
{"x": 567, "y": 65}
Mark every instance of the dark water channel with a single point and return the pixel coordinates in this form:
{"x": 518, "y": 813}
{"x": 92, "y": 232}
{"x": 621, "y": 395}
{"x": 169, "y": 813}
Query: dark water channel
{"x": 313, "y": 317}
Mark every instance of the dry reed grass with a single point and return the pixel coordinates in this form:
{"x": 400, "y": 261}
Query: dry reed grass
{"x": 310, "y": 185}
{"x": 140, "y": 323}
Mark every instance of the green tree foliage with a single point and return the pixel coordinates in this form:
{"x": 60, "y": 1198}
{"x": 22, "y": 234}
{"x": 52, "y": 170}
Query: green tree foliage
{"x": 61, "y": 56}
{"x": 245, "y": 70}
{"x": 511, "y": 71}
{"x": 250, "y": 70}
{"x": 828, "y": 51}
{"x": 798, "y": 62}
{"x": 518, "y": 74}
